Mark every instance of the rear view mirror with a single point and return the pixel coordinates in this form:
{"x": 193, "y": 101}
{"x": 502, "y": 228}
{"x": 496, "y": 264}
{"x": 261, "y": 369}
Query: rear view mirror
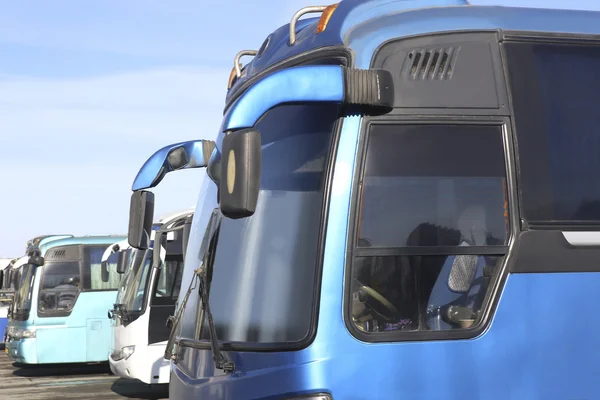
{"x": 184, "y": 155}
{"x": 104, "y": 271}
{"x": 122, "y": 262}
{"x": 36, "y": 260}
{"x": 241, "y": 166}
{"x": 141, "y": 212}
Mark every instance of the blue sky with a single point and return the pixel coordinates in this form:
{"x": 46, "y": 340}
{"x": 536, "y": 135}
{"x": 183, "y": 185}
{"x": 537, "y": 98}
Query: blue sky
{"x": 88, "y": 90}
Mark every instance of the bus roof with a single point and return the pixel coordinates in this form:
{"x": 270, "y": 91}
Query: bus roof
{"x": 363, "y": 25}
{"x": 103, "y": 240}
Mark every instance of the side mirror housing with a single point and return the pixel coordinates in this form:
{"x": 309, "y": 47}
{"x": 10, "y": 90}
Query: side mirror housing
{"x": 122, "y": 262}
{"x": 178, "y": 156}
{"x": 241, "y": 167}
{"x": 104, "y": 271}
{"x": 36, "y": 260}
{"x": 141, "y": 212}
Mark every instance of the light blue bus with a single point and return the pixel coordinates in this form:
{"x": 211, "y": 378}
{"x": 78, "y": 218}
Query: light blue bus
{"x": 59, "y": 312}
{"x": 406, "y": 205}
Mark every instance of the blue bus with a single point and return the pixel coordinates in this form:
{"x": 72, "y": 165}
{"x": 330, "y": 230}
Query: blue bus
{"x": 407, "y": 183}
{"x": 59, "y": 311}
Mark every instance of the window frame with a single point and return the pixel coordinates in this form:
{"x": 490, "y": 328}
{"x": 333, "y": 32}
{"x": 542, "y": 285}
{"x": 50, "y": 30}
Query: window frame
{"x": 328, "y": 172}
{"x": 352, "y": 250}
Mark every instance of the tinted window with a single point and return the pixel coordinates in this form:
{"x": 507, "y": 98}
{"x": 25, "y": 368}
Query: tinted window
{"x": 556, "y": 116}
{"x": 59, "y": 273}
{"x": 427, "y": 185}
{"x": 433, "y": 206}
{"x": 264, "y": 269}
{"x": 61, "y": 283}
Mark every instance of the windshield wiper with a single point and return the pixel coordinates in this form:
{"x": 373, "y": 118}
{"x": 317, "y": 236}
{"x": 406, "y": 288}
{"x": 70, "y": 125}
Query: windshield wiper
{"x": 221, "y": 362}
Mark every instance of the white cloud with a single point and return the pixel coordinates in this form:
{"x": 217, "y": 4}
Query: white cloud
{"x": 70, "y": 148}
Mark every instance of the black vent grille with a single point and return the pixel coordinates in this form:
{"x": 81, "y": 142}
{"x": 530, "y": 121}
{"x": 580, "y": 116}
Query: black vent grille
{"x": 430, "y": 63}
{"x": 69, "y": 252}
{"x": 60, "y": 253}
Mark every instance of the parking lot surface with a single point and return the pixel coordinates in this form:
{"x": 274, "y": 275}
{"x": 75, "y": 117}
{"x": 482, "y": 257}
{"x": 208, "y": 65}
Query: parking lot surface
{"x": 70, "y": 381}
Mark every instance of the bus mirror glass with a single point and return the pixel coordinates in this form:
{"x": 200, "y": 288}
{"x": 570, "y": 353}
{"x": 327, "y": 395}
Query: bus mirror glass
{"x": 121, "y": 262}
{"x": 141, "y": 212}
{"x": 241, "y": 163}
{"x": 104, "y": 271}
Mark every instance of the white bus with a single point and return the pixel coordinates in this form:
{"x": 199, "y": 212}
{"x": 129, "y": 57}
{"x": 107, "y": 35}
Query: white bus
{"x": 147, "y": 298}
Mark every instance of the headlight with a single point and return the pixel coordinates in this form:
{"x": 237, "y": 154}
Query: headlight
{"x": 22, "y": 333}
{"x": 27, "y": 333}
{"x": 127, "y": 351}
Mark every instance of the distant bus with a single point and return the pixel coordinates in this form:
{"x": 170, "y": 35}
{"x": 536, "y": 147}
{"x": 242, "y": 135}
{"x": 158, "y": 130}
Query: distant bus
{"x": 59, "y": 314}
{"x": 6, "y": 293}
{"x": 149, "y": 292}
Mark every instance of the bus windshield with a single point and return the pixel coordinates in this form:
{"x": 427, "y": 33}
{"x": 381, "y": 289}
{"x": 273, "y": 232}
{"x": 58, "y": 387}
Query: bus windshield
{"x": 22, "y": 301}
{"x": 265, "y": 266}
{"x": 135, "y": 282}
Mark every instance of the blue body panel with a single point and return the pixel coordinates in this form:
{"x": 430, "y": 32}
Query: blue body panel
{"x": 300, "y": 84}
{"x": 3, "y": 324}
{"x": 82, "y": 336}
{"x": 541, "y": 343}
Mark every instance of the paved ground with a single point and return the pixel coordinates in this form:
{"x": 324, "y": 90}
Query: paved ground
{"x": 69, "y": 382}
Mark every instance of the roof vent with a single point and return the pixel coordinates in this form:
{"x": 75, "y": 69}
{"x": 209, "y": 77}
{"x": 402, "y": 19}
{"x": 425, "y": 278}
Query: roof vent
{"x": 430, "y": 63}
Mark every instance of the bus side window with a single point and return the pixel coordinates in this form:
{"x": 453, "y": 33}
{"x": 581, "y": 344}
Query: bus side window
{"x": 432, "y": 222}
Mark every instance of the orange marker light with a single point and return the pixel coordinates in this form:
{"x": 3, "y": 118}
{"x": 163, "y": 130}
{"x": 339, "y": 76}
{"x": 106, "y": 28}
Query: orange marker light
{"x": 231, "y": 77}
{"x": 325, "y": 16}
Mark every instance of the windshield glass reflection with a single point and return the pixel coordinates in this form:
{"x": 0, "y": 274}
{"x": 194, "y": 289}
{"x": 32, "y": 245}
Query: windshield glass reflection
{"x": 136, "y": 282}
{"x": 22, "y": 300}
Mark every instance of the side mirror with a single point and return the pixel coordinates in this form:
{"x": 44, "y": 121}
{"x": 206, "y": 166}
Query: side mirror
{"x": 122, "y": 262}
{"x": 36, "y": 260}
{"x": 104, "y": 271}
{"x": 184, "y": 155}
{"x": 241, "y": 167}
{"x": 141, "y": 212}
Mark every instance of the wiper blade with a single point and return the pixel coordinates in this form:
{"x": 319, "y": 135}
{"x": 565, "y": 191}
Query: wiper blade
{"x": 173, "y": 323}
{"x": 221, "y": 362}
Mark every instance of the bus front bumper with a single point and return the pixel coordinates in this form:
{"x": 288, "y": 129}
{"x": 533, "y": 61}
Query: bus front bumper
{"x": 146, "y": 364}
{"x": 21, "y": 350}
